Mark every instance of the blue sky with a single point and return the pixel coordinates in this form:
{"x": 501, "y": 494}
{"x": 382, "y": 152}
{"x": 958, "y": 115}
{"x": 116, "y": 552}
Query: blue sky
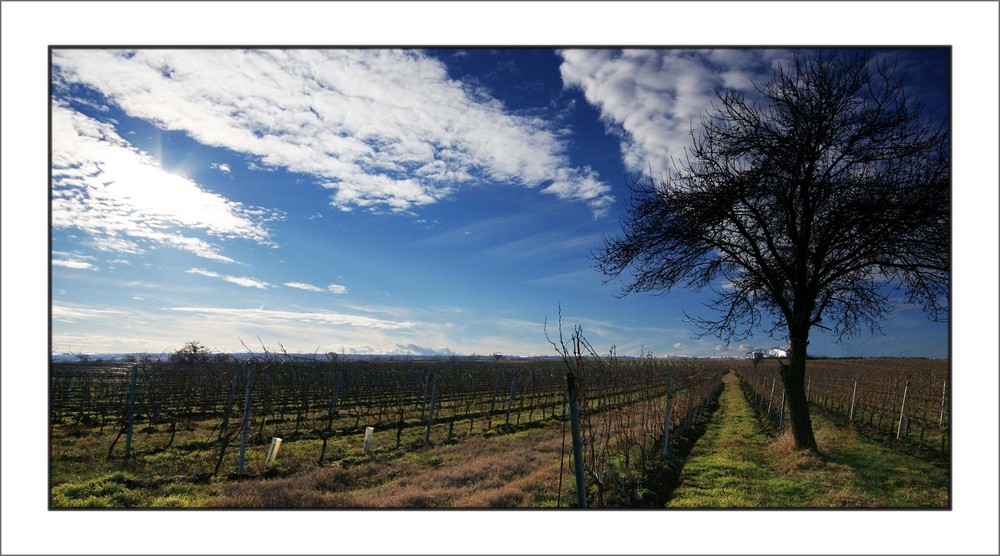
{"x": 383, "y": 201}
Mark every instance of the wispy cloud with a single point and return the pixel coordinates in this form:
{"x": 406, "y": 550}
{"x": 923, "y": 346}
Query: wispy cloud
{"x": 78, "y": 265}
{"x": 383, "y": 129}
{"x": 583, "y": 278}
{"x": 336, "y": 289}
{"x": 496, "y": 228}
{"x": 658, "y": 96}
{"x": 244, "y": 281}
{"x": 320, "y": 317}
{"x": 68, "y": 313}
{"x": 332, "y": 288}
{"x": 303, "y": 286}
{"x": 552, "y": 243}
{"x": 224, "y": 168}
{"x": 414, "y": 349}
{"x": 145, "y": 328}
{"x": 73, "y": 260}
{"x": 127, "y": 203}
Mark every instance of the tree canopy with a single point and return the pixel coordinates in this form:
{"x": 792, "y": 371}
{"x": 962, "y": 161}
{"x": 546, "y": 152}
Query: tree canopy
{"x": 810, "y": 206}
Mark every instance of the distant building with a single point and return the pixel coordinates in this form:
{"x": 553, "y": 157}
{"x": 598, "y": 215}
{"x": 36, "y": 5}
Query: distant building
{"x": 773, "y": 352}
{"x": 777, "y": 352}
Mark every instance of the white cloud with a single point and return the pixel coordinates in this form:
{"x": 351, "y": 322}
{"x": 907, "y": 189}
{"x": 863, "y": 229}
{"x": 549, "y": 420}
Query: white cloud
{"x": 303, "y": 286}
{"x": 332, "y": 288}
{"x": 154, "y": 330}
{"x": 126, "y": 202}
{"x": 224, "y": 168}
{"x": 244, "y": 281}
{"x": 414, "y": 349}
{"x": 319, "y": 317}
{"x": 336, "y": 289}
{"x": 384, "y": 129}
{"x": 78, "y": 265}
{"x": 679, "y": 345}
{"x": 549, "y": 244}
{"x": 73, "y": 260}
{"x": 67, "y": 313}
{"x": 657, "y": 96}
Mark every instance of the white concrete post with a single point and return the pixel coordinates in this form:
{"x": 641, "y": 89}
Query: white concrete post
{"x": 369, "y": 432}
{"x": 272, "y": 452}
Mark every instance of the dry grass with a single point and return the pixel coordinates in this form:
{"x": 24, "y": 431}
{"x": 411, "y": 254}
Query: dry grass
{"x": 787, "y": 459}
{"x": 507, "y": 471}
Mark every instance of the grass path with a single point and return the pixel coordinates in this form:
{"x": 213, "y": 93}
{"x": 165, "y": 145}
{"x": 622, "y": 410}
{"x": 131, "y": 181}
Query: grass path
{"x": 735, "y": 466}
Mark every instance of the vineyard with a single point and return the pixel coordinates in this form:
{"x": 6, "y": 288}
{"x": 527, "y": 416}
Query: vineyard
{"x": 238, "y": 406}
{"x": 625, "y": 423}
{"x": 901, "y": 401}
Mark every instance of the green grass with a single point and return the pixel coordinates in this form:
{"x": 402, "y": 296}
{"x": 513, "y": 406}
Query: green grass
{"x": 883, "y": 476}
{"x": 735, "y": 466}
{"x": 729, "y": 466}
{"x": 106, "y": 491}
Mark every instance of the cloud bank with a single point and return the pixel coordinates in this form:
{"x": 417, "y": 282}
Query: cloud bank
{"x": 383, "y": 129}
{"x": 654, "y": 98}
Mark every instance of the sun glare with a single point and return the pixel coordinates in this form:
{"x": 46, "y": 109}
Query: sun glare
{"x": 146, "y": 188}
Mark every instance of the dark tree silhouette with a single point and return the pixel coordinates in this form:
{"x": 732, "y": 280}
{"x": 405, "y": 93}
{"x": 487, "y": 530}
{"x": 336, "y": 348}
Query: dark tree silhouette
{"x": 811, "y": 207}
{"x": 193, "y": 353}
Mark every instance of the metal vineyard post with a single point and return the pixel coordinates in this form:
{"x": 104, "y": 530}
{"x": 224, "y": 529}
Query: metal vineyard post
{"x": 246, "y": 421}
{"x": 131, "y": 411}
{"x": 574, "y": 416}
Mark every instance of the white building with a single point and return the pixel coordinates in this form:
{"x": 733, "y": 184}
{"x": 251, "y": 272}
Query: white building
{"x": 773, "y": 352}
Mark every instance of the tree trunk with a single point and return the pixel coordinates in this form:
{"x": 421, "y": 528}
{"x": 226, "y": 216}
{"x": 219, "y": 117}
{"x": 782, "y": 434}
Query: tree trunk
{"x": 793, "y": 378}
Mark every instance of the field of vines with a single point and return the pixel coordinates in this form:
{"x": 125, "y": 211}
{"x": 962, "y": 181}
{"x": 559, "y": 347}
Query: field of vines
{"x": 903, "y": 401}
{"x": 218, "y": 419}
{"x": 225, "y": 412}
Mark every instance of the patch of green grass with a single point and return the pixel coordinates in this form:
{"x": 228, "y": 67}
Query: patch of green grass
{"x": 734, "y": 465}
{"x": 887, "y": 477}
{"x": 729, "y": 466}
{"x": 106, "y": 491}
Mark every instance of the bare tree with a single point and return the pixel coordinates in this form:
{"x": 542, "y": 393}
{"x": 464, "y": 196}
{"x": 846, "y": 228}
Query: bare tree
{"x": 193, "y": 353}
{"x": 810, "y": 208}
